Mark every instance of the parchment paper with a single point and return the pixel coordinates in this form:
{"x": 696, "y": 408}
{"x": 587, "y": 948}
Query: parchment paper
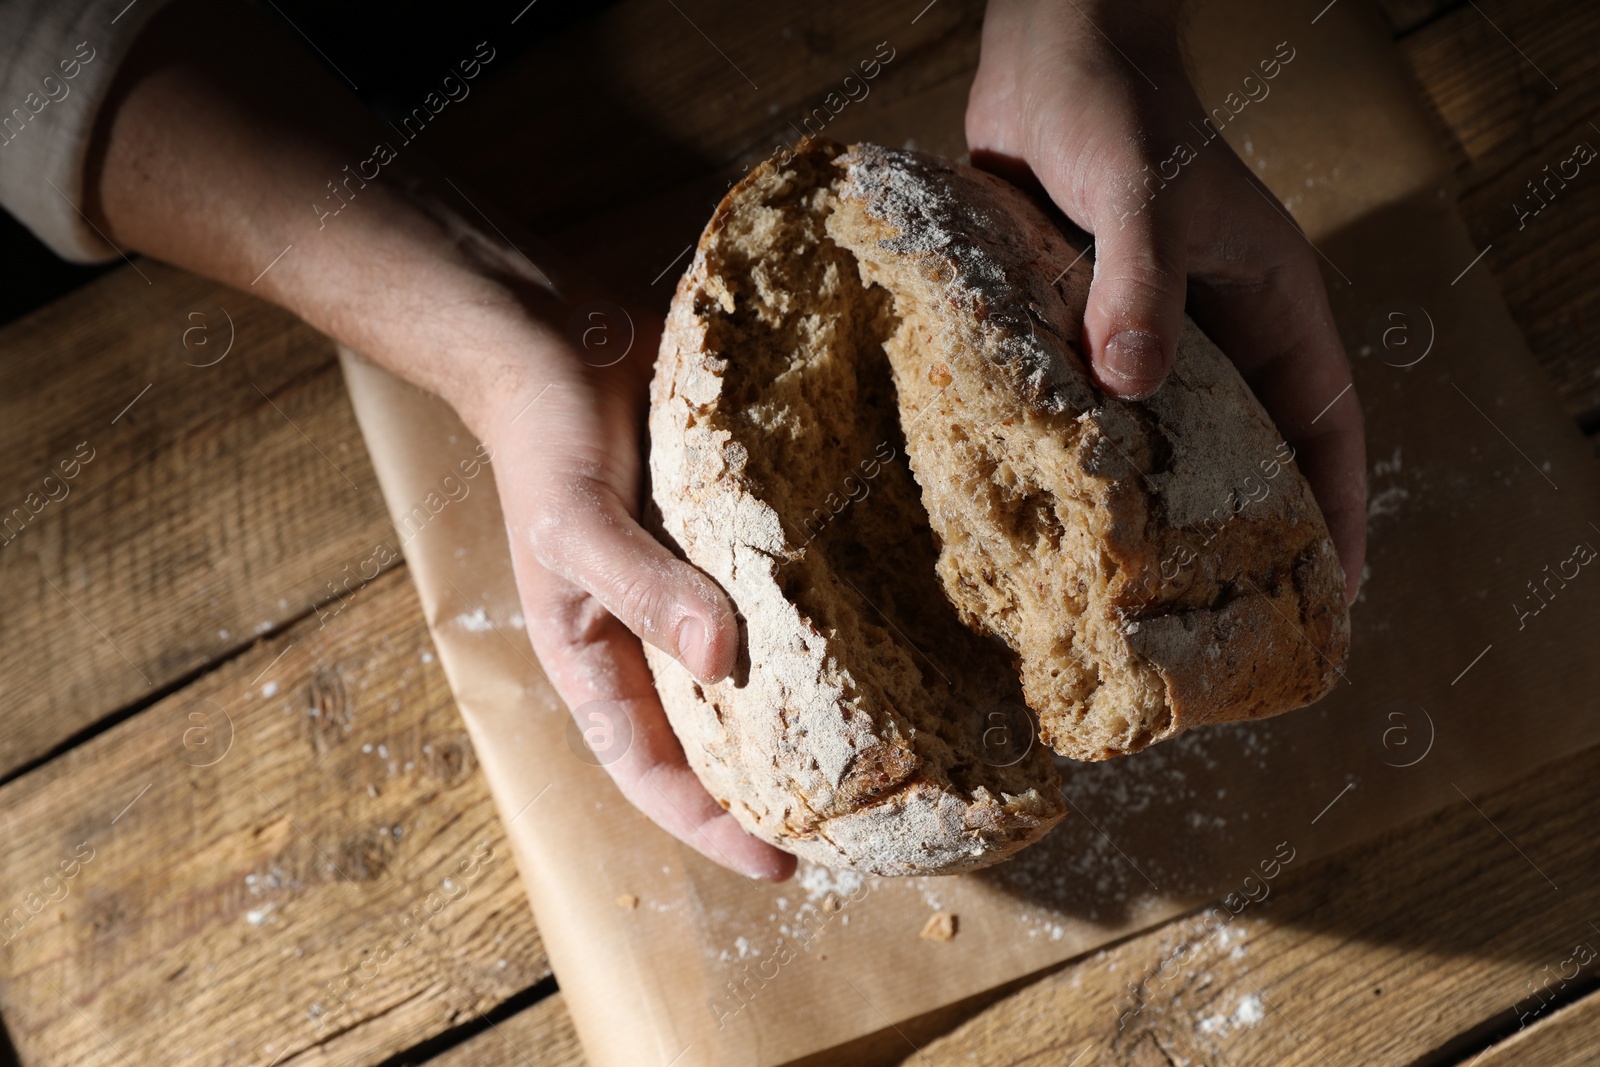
{"x": 1479, "y": 484}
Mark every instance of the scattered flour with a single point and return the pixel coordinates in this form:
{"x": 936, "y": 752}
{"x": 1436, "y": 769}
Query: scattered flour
{"x": 475, "y": 621}
{"x": 819, "y": 881}
{"x": 1248, "y": 1013}
{"x": 1386, "y": 502}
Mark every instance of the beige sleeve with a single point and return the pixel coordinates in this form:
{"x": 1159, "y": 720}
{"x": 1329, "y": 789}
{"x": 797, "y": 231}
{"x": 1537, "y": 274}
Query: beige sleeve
{"x": 57, "y": 61}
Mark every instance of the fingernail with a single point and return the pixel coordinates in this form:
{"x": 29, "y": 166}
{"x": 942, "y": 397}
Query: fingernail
{"x": 1136, "y": 358}
{"x": 692, "y": 644}
{"x": 776, "y": 871}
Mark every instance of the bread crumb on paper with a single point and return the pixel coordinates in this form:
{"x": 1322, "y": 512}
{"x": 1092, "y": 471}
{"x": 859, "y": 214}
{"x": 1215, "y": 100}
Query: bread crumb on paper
{"x": 627, "y": 901}
{"x": 941, "y": 926}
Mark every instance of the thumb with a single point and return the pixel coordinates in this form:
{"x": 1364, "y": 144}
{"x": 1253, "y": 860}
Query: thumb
{"x": 1135, "y": 310}
{"x": 587, "y": 535}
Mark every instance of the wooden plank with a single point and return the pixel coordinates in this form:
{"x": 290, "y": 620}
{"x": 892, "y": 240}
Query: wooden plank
{"x": 218, "y": 507}
{"x": 1548, "y": 271}
{"x": 541, "y": 1034}
{"x": 332, "y": 887}
{"x": 1501, "y": 73}
{"x": 662, "y": 105}
{"x": 1507, "y": 123}
{"x": 1379, "y": 956}
{"x": 1566, "y": 1038}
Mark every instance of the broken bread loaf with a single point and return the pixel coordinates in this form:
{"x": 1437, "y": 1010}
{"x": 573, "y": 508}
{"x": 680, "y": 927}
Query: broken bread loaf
{"x": 873, "y": 425}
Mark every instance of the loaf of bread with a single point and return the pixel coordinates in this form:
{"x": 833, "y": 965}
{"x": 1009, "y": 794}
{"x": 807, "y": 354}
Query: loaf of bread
{"x": 873, "y": 424}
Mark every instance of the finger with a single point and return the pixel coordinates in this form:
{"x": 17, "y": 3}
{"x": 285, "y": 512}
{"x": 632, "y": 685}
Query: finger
{"x": 1135, "y": 310}
{"x": 1274, "y": 321}
{"x": 1140, "y": 223}
{"x": 597, "y": 666}
{"x": 596, "y": 544}
{"x": 586, "y": 532}
{"x": 1335, "y": 465}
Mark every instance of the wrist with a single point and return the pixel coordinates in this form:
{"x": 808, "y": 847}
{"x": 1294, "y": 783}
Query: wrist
{"x": 198, "y": 165}
{"x": 449, "y": 306}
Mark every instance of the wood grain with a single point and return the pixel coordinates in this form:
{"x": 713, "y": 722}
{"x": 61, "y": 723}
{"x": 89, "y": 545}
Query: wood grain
{"x": 222, "y": 505}
{"x": 302, "y": 897}
{"x": 541, "y": 1034}
{"x": 1567, "y": 1038}
{"x": 1379, "y": 956}
{"x": 1501, "y": 73}
{"x": 1505, "y": 123}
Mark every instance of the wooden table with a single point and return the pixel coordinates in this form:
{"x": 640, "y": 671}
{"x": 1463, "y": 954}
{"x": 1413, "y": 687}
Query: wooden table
{"x": 252, "y": 767}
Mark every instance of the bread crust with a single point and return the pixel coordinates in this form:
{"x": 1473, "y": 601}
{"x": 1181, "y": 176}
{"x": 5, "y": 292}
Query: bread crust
{"x": 814, "y": 744}
{"x": 807, "y": 745}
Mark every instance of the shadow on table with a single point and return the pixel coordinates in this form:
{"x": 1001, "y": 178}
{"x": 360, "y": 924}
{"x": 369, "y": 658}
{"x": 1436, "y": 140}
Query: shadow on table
{"x": 1441, "y": 800}
{"x": 1450, "y": 693}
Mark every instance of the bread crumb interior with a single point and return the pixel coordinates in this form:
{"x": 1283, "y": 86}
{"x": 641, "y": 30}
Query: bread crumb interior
{"x": 810, "y": 396}
{"x": 1021, "y": 522}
